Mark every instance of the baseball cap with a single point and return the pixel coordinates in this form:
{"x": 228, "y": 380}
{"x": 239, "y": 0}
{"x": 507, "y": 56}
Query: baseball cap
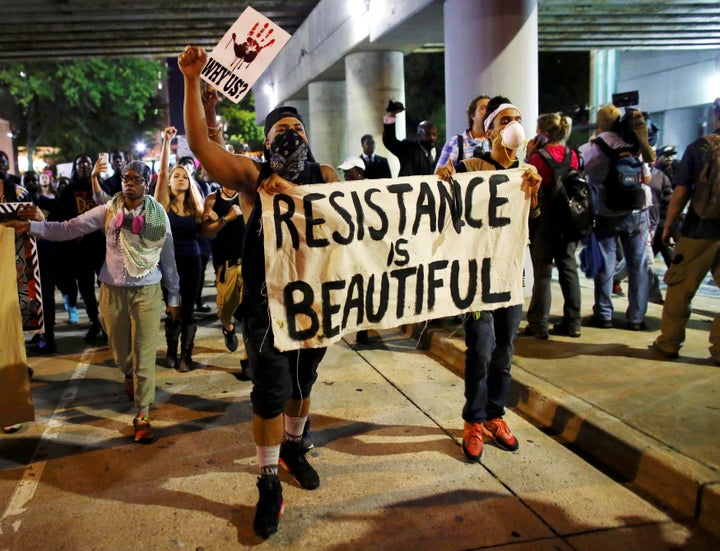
{"x": 353, "y": 162}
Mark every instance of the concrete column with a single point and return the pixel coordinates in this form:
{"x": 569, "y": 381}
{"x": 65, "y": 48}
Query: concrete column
{"x": 491, "y": 47}
{"x": 303, "y": 106}
{"x": 326, "y": 100}
{"x": 603, "y": 79}
{"x": 372, "y": 79}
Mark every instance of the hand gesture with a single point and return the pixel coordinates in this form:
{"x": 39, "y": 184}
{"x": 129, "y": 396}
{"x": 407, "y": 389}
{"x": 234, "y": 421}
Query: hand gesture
{"x": 209, "y": 96}
{"x": 173, "y": 313}
{"x": 99, "y": 168}
{"x": 445, "y": 172}
{"x": 20, "y": 226}
{"x": 192, "y": 60}
{"x": 275, "y": 184}
{"x": 532, "y": 146}
{"x": 395, "y": 107}
{"x": 30, "y": 212}
{"x": 169, "y": 133}
{"x": 233, "y": 213}
{"x": 531, "y": 181}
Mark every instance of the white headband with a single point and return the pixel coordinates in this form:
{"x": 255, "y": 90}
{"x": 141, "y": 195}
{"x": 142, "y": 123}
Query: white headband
{"x": 489, "y": 118}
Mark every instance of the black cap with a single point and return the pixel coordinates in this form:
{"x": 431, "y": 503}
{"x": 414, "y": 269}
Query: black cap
{"x": 280, "y": 113}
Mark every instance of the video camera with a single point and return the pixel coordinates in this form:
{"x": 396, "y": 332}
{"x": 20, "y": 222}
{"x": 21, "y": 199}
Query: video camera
{"x": 624, "y": 127}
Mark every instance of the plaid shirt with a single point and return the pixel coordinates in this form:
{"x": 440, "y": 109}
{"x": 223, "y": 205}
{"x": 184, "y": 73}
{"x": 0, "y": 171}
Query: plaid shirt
{"x": 450, "y": 149}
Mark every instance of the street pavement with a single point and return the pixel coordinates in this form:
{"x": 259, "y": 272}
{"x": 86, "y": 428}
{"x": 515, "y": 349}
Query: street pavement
{"x": 387, "y": 431}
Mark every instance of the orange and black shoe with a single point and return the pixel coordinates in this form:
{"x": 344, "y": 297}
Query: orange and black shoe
{"x": 143, "y": 431}
{"x": 497, "y": 430}
{"x": 472, "y": 445}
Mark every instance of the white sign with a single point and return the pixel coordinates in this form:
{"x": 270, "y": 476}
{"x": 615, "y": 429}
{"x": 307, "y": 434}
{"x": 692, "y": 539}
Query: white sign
{"x": 382, "y": 253}
{"x": 243, "y": 54}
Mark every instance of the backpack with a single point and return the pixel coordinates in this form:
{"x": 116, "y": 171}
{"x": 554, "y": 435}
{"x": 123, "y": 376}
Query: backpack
{"x": 570, "y": 201}
{"x": 706, "y": 196}
{"x": 623, "y": 184}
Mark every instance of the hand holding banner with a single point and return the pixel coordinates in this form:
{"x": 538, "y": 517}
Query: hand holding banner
{"x": 383, "y": 253}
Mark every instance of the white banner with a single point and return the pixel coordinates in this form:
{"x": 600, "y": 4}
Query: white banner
{"x": 382, "y": 253}
{"x": 243, "y": 54}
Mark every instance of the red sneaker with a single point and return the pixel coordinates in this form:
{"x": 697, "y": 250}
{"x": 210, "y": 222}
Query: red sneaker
{"x": 498, "y": 430}
{"x": 143, "y": 432}
{"x": 472, "y": 445}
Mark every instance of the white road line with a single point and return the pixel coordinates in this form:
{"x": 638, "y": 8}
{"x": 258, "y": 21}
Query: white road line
{"x": 31, "y": 477}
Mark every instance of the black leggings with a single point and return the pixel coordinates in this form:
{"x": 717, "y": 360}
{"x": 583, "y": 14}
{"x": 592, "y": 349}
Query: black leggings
{"x": 189, "y": 270}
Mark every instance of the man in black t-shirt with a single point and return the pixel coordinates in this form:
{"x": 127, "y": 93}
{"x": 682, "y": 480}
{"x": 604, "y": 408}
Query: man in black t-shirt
{"x": 223, "y": 224}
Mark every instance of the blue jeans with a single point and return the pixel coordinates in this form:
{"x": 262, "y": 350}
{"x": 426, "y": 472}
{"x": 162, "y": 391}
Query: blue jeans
{"x": 632, "y": 230}
{"x": 488, "y": 353}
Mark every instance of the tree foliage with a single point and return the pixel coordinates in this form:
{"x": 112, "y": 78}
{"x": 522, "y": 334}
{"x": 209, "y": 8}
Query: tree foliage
{"x": 84, "y": 106}
{"x": 241, "y": 127}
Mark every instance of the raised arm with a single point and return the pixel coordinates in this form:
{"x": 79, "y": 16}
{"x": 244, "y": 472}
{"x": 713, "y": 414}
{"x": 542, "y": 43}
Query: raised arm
{"x": 210, "y": 98}
{"x": 231, "y": 171}
{"x": 162, "y": 188}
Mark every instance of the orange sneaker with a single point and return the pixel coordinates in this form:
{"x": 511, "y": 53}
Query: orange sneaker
{"x": 498, "y": 430}
{"x": 472, "y": 445}
{"x": 143, "y": 432}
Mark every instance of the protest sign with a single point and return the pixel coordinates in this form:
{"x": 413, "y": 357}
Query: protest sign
{"x": 382, "y": 253}
{"x": 243, "y": 54}
{"x": 27, "y": 269}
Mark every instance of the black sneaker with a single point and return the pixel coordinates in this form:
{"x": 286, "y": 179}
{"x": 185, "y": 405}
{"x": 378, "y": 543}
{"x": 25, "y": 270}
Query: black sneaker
{"x": 270, "y": 506}
{"x": 95, "y": 334}
{"x": 231, "y": 340}
{"x": 292, "y": 459}
{"x": 564, "y": 330}
{"x": 599, "y": 323}
{"x": 541, "y": 334}
{"x": 246, "y": 371}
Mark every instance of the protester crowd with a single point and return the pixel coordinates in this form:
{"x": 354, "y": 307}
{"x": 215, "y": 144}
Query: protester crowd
{"x": 119, "y": 229}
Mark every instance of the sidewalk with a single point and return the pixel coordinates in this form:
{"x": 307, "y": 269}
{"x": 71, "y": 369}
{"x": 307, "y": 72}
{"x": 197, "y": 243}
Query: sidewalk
{"x": 652, "y": 422}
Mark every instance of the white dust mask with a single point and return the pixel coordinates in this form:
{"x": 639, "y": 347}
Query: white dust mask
{"x": 512, "y": 136}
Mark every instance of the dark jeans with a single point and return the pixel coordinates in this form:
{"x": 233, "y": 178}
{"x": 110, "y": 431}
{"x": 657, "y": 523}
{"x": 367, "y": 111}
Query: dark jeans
{"x": 277, "y": 376}
{"x": 488, "y": 353}
{"x": 547, "y": 246}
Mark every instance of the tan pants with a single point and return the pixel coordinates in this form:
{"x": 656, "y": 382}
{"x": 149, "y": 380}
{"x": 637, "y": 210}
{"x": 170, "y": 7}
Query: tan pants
{"x": 131, "y": 318}
{"x": 697, "y": 258}
{"x": 229, "y": 285}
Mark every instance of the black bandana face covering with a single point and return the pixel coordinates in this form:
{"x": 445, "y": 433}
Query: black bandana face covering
{"x": 288, "y": 153}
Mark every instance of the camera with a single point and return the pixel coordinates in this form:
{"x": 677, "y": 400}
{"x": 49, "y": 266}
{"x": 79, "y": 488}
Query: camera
{"x": 394, "y": 106}
{"x": 626, "y": 99}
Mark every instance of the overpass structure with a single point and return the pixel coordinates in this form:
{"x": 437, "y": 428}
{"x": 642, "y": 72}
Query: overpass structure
{"x": 346, "y": 56}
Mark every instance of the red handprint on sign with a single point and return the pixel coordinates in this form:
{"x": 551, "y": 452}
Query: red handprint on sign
{"x": 255, "y": 42}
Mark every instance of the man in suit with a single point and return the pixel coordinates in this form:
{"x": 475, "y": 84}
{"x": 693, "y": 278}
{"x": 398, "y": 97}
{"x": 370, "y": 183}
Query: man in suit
{"x": 376, "y": 167}
{"x": 416, "y": 157}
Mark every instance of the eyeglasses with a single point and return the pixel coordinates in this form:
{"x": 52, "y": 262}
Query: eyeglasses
{"x": 137, "y": 180}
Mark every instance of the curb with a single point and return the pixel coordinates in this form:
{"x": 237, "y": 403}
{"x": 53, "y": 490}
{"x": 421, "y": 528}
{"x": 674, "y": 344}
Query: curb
{"x": 667, "y": 477}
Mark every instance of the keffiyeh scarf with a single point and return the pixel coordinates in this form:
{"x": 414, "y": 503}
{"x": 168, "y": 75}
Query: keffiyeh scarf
{"x": 140, "y": 251}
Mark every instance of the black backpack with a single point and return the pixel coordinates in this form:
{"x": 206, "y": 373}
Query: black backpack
{"x": 623, "y": 184}
{"x": 570, "y": 202}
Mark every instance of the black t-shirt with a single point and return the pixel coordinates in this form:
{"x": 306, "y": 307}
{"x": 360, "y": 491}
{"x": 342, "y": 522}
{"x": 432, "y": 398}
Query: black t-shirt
{"x": 253, "y": 261}
{"x": 227, "y": 245}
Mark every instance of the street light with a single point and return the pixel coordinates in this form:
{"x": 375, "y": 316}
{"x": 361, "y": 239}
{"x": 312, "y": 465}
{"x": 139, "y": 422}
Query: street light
{"x": 140, "y": 147}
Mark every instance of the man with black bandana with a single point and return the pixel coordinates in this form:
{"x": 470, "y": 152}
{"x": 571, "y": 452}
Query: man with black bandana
{"x": 282, "y": 381}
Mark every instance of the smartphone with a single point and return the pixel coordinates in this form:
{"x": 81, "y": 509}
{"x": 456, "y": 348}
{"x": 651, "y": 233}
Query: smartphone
{"x": 104, "y": 157}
